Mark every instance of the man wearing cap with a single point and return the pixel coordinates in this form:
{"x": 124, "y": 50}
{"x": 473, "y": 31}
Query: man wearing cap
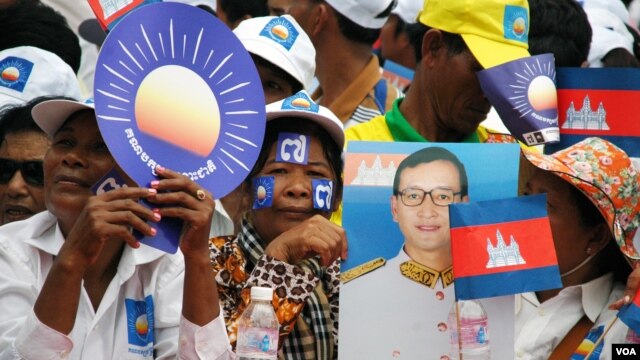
{"x": 283, "y": 54}
{"x": 349, "y": 76}
{"x": 395, "y": 35}
{"x": 445, "y": 102}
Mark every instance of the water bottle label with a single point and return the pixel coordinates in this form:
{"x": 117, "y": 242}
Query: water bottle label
{"x": 473, "y": 333}
{"x": 257, "y": 342}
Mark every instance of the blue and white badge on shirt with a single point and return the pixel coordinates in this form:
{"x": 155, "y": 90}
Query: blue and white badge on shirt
{"x": 293, "y": 148}
{"x": 263, "y": 192}
{"x": 322, "y": 194}
{"x": 140, "y": 325}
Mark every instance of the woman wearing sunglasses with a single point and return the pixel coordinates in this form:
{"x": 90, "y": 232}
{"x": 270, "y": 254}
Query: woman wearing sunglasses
{"x": 22, "y": 148}
{"x": 74, "y": 281}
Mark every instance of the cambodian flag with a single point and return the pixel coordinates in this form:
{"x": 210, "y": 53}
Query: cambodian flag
{"x": 502, "y": 247}
{"x": 599, "y": 102}
{"x": 630, "y": 314}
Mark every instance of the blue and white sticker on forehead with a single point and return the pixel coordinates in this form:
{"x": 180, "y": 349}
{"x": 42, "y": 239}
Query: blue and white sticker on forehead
{"x": 293, "y": 148}
{"x": 262, "y": 192}
{"x": 322, "y": 194}
{"x": 15, "y": 72}
{"x": 281, "y": 31}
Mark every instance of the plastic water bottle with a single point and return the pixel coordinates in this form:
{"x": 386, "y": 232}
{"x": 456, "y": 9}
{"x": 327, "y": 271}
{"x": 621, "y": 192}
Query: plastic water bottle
{"x": 258, "y": 328}
{"x": 469, "y": 331}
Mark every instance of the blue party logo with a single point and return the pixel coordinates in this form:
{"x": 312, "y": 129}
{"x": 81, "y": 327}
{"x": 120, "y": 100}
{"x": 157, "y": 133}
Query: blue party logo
{"x": 15, "y": 72}
{"x": 281, "y": 31}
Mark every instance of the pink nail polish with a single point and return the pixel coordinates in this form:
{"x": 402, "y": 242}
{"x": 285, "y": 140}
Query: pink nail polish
{"x": 155, "y": 183}
{"x": 153, "y": 232}
{"x": 157, "y": 216}
{"x": 159, "y": 168}
{"x": 153, "y": 191}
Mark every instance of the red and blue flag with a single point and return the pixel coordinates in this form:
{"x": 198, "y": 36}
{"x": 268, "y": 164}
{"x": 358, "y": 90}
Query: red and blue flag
{"x": 598, "y": 102}
{"x": 630, "y": 314}
{"x": 502, "y": 247}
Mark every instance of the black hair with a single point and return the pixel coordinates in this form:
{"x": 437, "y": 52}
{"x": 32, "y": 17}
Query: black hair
{"x": 428, "y": 155}
{"x": 620, "y": 57}
{"x": 612, "y": 259}
{"x": 31, "y": 23}
{"x": 236, "y": 10}
{"x": 361, "y": 34}
{"x": 330, "y": 148}
{"x": 454, "y": 42}
{"x": 17, "y": 118}
{"x": 295, "y": 84}
{"x": 560, "y": 27}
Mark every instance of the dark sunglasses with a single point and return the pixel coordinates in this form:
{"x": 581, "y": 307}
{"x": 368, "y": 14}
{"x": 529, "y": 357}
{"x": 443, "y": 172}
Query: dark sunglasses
{"x": 31, "y": 171}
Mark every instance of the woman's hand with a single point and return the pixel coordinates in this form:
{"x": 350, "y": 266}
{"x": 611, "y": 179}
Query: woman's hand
{"x": 633, "y": 283}
{"x": 315, "y": 236}
{"x": 179, "y": 197}
{"x": 108, "y": 217}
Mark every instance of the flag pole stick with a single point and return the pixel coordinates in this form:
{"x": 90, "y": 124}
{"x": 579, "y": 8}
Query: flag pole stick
{"x": 458, "y": 329}
{"x": 601, "y": 338}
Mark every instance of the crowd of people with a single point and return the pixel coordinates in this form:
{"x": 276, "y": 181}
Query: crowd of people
{"x": 75, "y": 280}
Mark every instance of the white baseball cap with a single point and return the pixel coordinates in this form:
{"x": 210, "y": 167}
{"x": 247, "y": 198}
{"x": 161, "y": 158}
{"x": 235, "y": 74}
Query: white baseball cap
{"x": 281, "y": 41}
{"x": 617, "y": 7}
{"x": 28, "y": 72}
{"x": 365, "y": 13}
{"x": 301, "y": 106}
{"x": 408, "y": 10}
{"x": 51, "y": 114}
{"x": 609, "y": 32}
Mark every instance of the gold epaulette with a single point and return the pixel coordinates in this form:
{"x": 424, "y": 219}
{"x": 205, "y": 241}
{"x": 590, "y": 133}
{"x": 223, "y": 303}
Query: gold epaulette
{"x": 362, "y": 269}
{"x": 426, "y": 276}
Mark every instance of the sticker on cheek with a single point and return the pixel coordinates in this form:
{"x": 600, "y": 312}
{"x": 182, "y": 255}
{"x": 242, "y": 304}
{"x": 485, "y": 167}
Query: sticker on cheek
{"x": 293, "y": 148}
{"x": 322, "y": 194}
{"x": 263, "y": 192}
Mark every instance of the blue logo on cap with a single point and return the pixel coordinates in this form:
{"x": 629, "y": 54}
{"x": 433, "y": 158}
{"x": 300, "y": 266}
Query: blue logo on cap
{"x": 281, "y": 31}
{"x": 14, "y": 73}
{"x": 516, "y": 23}
{"x": 300, "y": 101}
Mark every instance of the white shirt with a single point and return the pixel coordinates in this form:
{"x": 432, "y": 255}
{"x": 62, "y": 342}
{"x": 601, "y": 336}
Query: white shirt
{"x": 385, "y": 315}
{"x": 541, "y": 327}
{"x": 147, "y": 286}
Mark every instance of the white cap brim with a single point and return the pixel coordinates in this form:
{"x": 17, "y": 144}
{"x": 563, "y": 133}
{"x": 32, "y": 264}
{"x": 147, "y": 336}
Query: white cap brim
{"x": 50, "y": 115}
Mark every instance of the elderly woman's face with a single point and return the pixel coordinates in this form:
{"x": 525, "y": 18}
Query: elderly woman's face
{"x": 77, "y": 159}
{"x": 570, "y": 236}
{"x": 292, "y": 191}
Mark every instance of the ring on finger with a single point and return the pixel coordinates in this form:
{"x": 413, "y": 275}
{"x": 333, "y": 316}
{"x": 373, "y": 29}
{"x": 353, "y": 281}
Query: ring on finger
{"x": 200, "y": 194}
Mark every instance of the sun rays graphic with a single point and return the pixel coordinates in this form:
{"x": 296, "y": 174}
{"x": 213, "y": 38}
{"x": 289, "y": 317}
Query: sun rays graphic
{"x": 534, "y": 89}
{"x": 178, "y": 82}
{"x": 263, "y": 191}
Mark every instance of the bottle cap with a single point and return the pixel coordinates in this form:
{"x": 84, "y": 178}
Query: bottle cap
{"x": 261, "y": 293}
